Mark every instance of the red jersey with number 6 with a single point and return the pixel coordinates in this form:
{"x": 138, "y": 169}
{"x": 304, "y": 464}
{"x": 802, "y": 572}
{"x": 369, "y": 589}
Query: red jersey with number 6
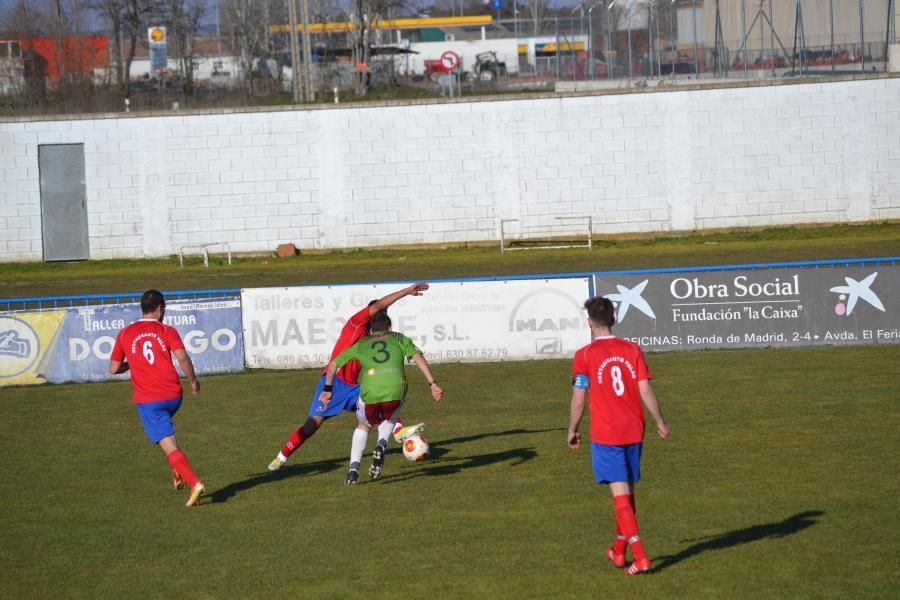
{"x": 147, "y": 345}
{"x": 613, "y": 366}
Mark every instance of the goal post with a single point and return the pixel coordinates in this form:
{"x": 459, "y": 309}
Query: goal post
{"x": 563, "y": 232}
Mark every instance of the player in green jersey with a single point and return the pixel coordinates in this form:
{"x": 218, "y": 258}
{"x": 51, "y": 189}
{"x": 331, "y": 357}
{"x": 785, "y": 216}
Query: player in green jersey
{"x": 383, "y": 387}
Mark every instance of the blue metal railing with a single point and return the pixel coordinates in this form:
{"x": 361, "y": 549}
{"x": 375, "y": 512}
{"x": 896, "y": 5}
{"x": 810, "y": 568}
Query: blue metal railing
{"x": 54, "y": 302}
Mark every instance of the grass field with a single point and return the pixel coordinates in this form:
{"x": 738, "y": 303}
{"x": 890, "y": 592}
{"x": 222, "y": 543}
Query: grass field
{"x": 779, "y": 480}
{"x": 21, "y": 280}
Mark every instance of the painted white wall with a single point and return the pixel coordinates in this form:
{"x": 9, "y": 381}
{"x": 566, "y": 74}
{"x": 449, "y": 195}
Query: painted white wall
{"x": 431, "y": 172}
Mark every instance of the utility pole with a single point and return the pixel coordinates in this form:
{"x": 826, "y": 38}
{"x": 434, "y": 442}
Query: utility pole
{"x": 308, "y": 92}
{"x": 295, "y": 52}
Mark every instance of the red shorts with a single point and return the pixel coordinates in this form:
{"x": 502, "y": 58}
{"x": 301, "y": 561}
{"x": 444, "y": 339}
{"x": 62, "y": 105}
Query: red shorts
{"x": 375, "y": 414}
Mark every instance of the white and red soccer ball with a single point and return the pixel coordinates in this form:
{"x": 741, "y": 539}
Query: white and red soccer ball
{"x": 415, "y": 448}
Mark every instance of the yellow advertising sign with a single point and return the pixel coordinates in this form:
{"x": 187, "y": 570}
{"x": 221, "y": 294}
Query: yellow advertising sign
{"x": 26, "y": 343}
{"x": 410, "y": 23}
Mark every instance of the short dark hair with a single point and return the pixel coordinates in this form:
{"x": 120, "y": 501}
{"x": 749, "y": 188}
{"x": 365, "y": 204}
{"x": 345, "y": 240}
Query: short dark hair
{"x": 601, "y": 311}
{"x": 151, "y": 300}
{"x": 380, "y": 322}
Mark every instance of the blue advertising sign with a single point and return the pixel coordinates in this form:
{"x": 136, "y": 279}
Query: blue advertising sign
{"x": 210, "y": 329}
{"x": 756, "y": 308}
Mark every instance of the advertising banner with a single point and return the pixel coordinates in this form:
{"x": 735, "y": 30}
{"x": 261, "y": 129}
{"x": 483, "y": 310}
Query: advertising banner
{"x": 476, "y": 321}
{"x": 210, "y": 330}
{"x": 26, "y": 342}
{"x": 756, "y": 308}
{"x": 156, "y": 40}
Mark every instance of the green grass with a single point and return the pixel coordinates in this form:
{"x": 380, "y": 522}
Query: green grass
{"x": 779, "y": 481}
{"x": 769, "y": 245}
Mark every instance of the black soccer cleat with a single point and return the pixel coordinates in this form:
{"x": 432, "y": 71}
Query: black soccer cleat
{"x": 377, "y": 461}
{"x": 352, "y": 478}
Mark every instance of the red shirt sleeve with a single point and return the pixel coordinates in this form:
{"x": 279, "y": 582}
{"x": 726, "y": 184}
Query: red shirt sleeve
{"x": 173, "y": 339}
{"x": 360, "y": 319}
{"x": 353, "y": 331}
{"x": 579, "y": 365}
{"x": 118, "y": 352}
{"x": 643, "y": 372}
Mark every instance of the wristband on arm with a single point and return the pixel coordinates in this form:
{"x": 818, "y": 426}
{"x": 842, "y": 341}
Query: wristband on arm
{"x": 327, "y": 387}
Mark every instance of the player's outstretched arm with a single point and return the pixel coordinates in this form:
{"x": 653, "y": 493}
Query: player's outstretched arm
{"x": 325, "y": 396}
{"x": 576, "y": 411}
{"x": 415, "y": 289}
{"x": 648, "y": 397}
{"x": 436, "y": 392}
{"x": 187, "y": 367}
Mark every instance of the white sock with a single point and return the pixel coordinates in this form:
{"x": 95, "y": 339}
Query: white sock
{"x": 358, "y": 447}
{"x": 384, "y": 432}
{"x": 282, "y": 457}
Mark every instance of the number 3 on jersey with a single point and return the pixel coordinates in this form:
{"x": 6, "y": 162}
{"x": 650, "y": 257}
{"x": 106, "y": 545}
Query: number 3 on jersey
{"x": 380, "y": 346}
{"x": 147, "y": 351}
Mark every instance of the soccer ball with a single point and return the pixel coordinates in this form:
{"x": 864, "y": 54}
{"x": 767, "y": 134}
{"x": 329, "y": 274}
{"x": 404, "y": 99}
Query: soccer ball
{"x": 415, "y": 448}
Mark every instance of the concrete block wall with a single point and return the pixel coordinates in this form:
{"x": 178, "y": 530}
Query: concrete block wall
{"x": 431, "y": 172}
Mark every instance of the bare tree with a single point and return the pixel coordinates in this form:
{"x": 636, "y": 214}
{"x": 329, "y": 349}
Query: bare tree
{"x": 113, "y": 11}
{"x": 26, "y": 22}
{"x": 136, "y": 15}
{"x": 364, "y": 14}
{"x": 183, "y": 17}
{"x": 247, "y": 22}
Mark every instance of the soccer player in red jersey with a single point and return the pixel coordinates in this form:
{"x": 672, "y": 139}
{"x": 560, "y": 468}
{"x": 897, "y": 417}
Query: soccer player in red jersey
{"x": 614, "y": 371}
{"x": 146, "y": 347}
{"x": 345, "y": 389}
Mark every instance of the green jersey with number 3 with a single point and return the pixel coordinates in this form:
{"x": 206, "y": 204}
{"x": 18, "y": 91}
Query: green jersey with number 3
{"x": 382, "y": 356}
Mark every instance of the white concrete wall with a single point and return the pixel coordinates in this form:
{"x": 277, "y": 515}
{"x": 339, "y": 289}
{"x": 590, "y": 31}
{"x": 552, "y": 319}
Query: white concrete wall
{"x": 446, "y": 172}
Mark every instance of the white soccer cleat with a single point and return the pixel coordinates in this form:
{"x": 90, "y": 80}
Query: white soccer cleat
{"x": 405, "y": 432}
{"x": 276, "y": 463}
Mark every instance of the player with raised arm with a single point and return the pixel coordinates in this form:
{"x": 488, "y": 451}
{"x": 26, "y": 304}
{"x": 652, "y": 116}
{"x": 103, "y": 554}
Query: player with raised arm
{"x": 146, "y": 347}
{"x": 383, "y": 387}
{"x": 614, "y": 371}
{"x": 346, "y": 385}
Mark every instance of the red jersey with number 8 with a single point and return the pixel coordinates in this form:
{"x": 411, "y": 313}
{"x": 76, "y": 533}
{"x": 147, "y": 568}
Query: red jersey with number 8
{"x": 614, "y": 366}
{"x": 147, "y": 345}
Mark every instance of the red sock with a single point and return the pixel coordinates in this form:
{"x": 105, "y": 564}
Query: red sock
{"x": 179, "y": 462}
{"x": 620, "y": 545}
{"x": 625, "y": 519}
{"x": 295, "y": 441}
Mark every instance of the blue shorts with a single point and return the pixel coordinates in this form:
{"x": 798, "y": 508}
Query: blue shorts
{"x": 343, "y": 397}
{"x": 157, "y": 418}
{"x": 616, "y": 463}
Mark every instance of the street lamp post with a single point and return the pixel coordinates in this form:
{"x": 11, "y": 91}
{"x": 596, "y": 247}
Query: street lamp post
{"x": 579, "y": 7}
{"x": 672, "y": 43}
{"x": 609, "y": 35}
{"x": 591, "y": 38}
{"x": 694, "y": 20}
{"x": 628, "y": 25}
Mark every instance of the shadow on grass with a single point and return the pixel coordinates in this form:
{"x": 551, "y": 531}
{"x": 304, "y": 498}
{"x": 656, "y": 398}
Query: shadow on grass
{"x": 437, "y": 466}
{"x": 492, "y": 434}
{"x": 437, "y": 451}
{"x": 788, "y": 526}
{"x": 298, "y": 470}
